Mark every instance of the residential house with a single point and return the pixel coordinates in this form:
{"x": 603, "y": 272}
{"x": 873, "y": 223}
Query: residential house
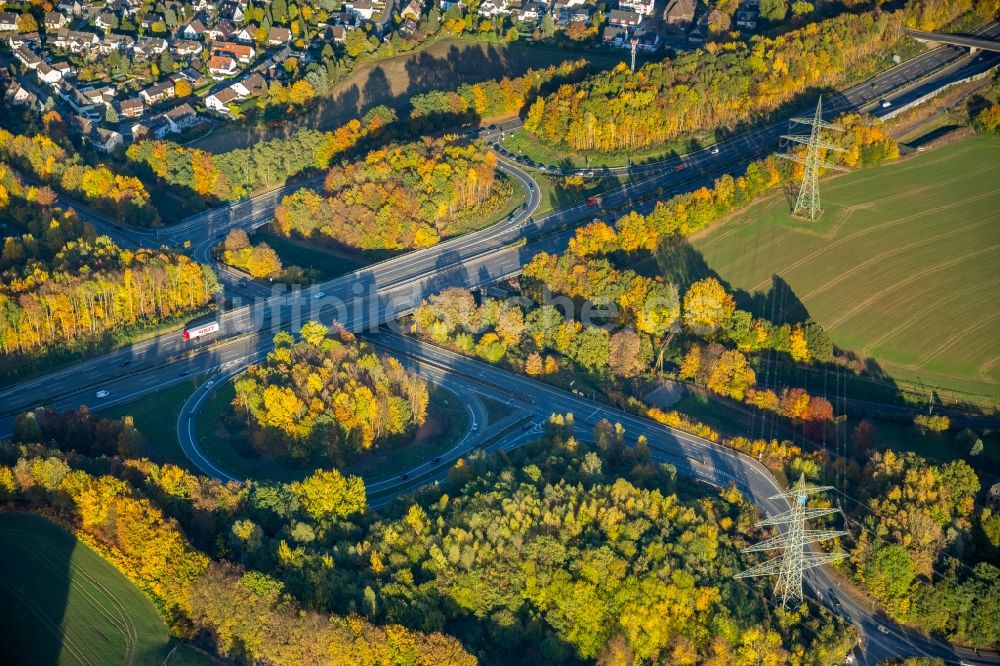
{"x": 131, "y": 108}
{"x": 113, "y": 42}
{"x": 181, "y": 117}
{"x": 193, "y": 75}
{"x": 278, "y": 35}
{"x": 105, "y": 140}
{"x": 648, "y": 40}
{"x": 679, "y": 13}
{"x": 64, "y": 68}
{"x": 79, "y": 102}
{"x": 46, "y": 74}
{"x": 363, "y": 8}
{"x": 106, "y": 21}
{"x": 492, "y": 8}
{"x": 624, "y": 18}
{"x": 221, "y": 100}
{"x": 337, "y": 33}
{"x": 243, "y": 53}
{"x": 232, "y": 11}
{"x": 148, "y": 47}
{"x": 99, "y": 95}
{"x": 8, "y": 22}
{"x": 27, "y": 57}
{"x": 193, "y": 30}
{"x": 642, "y": 7}
{"x": 614, "y": 35}
{"x": 244, "y": 35}
{"x": 221, "y": 31}
{"x": 157, "y": 92}
{"x": 74, "y": 41}
{"x": 747, "y": 16}
{"x": 55, "y": 21}
{"x": 156, "y": 127}
{"x": 71, "y": 7}
{"x": 410, "y": 11}
{"x": 250, "y": 86}
{"x": 80, "y": 125}
{"x": 18, "y": 95}
{"x": 149, "y": 19}
{"x": 221, "y": 66}
{"x": 408, "y": 27}
{"x": 530, "y": 11}
{"x": 185, "y": 48}
{"x": 347, "y": 19}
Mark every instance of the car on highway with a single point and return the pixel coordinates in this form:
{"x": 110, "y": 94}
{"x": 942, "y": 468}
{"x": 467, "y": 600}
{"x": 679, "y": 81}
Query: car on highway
{"x": 243, "y": 283}
{"x": 436, "y": 459}
{"x": 886, "y": 104}
{"x": 715, "y": 150}
{"x": 126, "y": 363}
{"x": 103, "y": 393}
{"x": 524, "y": 206}
{"x": 319, "y": 294}
{"x": 475, "y": 427}
{"x": 589, "y": 173}
{"x": 882, "y": 629}
{"x": 210, "y": 383}
{"x": 404, "y": 477}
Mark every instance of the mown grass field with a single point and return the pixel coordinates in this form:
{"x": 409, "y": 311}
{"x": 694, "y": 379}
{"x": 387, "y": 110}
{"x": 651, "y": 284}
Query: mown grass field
{"x": 64, "y": 604}
{"x": 902, "y": 267}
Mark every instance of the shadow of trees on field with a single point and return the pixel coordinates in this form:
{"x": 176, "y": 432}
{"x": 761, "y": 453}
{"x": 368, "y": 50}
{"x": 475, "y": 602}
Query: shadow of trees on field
{"x": 34, "y": 582}
{"x": 855, "y": 381}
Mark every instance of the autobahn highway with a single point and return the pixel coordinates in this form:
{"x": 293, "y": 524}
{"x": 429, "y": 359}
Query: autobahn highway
{"x": 378, "y": 294}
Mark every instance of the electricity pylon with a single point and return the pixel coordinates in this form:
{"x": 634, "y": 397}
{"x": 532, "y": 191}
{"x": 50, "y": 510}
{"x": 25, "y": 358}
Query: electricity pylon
{"x": 635, "y": 46}
{"x": 794, "y": 561}
{"x": 807, "y": 203}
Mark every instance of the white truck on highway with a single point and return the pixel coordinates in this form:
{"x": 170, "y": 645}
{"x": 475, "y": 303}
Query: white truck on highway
{"x": 196, "y": 332}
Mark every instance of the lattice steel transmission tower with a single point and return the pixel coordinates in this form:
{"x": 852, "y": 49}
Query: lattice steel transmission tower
{"x": 795, "y": 560}
{"x": 807, "y": 203}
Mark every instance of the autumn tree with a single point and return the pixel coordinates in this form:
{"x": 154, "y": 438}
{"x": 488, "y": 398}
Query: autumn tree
{"x": 707, "y": 306}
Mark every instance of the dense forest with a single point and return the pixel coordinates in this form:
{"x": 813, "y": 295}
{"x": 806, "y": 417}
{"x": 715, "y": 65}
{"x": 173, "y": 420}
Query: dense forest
{"x": 236, "y": 173}
{"x": 916, "y": 534}
{"x": 400, "y": 196}
{"x": 259, "y": 260}
{"x": 123, "y": 197}
{"x": 62, "y": 285}
{"x": 560, "y": 552}
{"x": 725, "y": 85}
{"x": 639, "y": 319}
{"x": 494, "y": 99}
{"x": 327, "y": 397}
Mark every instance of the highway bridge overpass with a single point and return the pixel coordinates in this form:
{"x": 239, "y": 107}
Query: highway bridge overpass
{"x": 972, "y": 42}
